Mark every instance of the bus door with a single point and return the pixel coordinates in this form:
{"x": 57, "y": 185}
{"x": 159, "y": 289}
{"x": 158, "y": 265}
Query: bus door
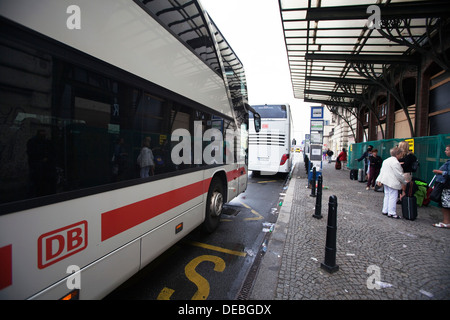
{"x": 243, "y": 157}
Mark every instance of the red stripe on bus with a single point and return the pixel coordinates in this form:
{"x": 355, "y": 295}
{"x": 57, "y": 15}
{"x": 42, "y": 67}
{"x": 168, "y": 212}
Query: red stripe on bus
{"x": 5, "y": 266}
{"x": 235, "y": 173}
{"x": 124, "y": 218}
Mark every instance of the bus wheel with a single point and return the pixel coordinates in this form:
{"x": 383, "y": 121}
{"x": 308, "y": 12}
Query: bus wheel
{"x": 214, "y": 205}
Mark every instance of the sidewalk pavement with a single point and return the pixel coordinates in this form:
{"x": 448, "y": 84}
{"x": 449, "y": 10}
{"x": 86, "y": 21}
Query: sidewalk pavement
{"x": 379, "y": 258}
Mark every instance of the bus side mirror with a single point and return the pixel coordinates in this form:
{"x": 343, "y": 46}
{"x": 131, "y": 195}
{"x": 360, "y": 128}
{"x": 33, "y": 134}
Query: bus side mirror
{"x": 257, "y": 121}
{"x": 256, "y": 116}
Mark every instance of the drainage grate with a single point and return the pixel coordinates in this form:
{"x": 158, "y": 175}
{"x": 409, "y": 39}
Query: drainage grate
{"x": 247, "y": 286}
{"x": 248, "y": 283}
{"x": 230, "y": 210}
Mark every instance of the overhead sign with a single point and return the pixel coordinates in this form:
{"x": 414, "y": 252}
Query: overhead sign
{"x": 316, "y": 125}
{"x": 316, "y": 137}
{"x": 317, "y": 112}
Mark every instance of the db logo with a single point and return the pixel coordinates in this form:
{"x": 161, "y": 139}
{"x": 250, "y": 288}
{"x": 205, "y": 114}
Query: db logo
{"x": 59, "y": 244}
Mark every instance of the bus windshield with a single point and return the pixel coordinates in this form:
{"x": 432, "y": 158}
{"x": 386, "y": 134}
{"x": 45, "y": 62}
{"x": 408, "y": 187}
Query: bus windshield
{"x": 270, "y": 111}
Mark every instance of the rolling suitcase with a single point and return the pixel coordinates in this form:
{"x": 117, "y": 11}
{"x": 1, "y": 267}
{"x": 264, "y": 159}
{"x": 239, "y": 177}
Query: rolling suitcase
{"x": 409, "y": 203}
{"x": 338, "y": 165}
{"x": 353, "y": 174}
{"x": 361, "y": 175}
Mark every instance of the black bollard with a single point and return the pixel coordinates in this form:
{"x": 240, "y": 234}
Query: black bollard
{"x": 313, "y": 183}
{"x": 318, "y": 211}
{"x": 330, "y": 247}
{"x": 306, "y": 164}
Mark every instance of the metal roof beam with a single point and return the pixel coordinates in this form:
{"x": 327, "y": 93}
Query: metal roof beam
{"x": 330, "y": 103}
{"x": 333, "y": 93}
{"x": 340, "y": 80}
{"x": 366, "y": 58}
{"x": 402, "y": 10}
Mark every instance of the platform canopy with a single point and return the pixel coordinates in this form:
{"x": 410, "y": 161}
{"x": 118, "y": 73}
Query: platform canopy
{"x": 338, "y": 49}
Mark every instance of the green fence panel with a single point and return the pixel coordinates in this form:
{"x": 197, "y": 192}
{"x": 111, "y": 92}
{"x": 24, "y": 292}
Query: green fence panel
{"x": 428, "y": 150}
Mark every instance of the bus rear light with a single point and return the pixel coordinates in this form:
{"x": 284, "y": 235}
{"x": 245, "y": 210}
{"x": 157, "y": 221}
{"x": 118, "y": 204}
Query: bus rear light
{"x": 284, "y": 159}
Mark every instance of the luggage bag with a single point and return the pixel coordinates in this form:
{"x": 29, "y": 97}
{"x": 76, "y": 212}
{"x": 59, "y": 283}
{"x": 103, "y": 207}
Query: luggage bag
{"x": 361, "y": 175}
{"x": 409, "y": 208}
{"x": 379, "y": 189}
{"x": 409, "y": 203}
{"x": 338, "y": 165}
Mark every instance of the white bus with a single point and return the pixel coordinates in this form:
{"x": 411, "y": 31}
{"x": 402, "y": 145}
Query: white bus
{"x": 270, "y": 149}
{"x": 81, "y": 88}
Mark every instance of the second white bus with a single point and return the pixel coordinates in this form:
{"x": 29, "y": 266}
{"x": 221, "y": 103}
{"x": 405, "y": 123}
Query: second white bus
{"x": 270, "y": 149}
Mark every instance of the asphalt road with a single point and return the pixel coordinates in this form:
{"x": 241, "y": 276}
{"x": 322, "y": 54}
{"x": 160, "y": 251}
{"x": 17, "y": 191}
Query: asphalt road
{"x": 214, "y": 266}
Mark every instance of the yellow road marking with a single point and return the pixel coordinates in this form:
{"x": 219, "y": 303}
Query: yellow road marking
{"x": 256, "y": 213}
{"x": 215, "y": 248}
{"x": 258, "y": 216}
{"x": 165, "y": 294}
{"x": 248, "y": 207}
{"x": 201, "y": 283}
{"x": 267, "y": 181}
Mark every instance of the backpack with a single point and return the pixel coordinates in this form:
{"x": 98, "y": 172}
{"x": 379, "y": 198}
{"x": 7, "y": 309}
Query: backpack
{"x": 415, "y": 165}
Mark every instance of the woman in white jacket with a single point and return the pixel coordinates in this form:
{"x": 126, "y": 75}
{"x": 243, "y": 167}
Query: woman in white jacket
{"x": 391, "y": 176}
{"x": 145, "y": 159}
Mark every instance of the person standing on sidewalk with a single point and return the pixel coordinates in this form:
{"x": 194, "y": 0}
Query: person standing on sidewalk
{"x": 391, "y": 176}
{"x": 365, "y": 156}
{"x": 329, "y": 155}
{"x": 375, "y": 166}
{"x": 443, "y": 176}
{"x": 407, "y": 160}
{"x": 342, "y": 157}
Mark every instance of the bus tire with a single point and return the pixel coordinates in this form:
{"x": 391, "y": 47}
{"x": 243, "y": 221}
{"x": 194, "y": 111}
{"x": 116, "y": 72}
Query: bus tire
{"x": 214, "y": 205}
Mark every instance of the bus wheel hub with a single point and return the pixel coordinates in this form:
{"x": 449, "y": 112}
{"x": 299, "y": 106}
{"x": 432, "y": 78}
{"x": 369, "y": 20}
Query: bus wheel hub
{"x": 216, "y": 204}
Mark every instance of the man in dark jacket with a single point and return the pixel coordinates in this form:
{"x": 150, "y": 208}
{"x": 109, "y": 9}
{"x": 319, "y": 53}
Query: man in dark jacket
{"x": 365, "y": 157}
{"x": 375, "y": 165}
{"x": 329, "y": 155}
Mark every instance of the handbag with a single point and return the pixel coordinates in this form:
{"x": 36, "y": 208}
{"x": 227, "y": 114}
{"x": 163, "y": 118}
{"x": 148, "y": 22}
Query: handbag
{"x": 415, "y": 165}
{"x": 436, "y": 193}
